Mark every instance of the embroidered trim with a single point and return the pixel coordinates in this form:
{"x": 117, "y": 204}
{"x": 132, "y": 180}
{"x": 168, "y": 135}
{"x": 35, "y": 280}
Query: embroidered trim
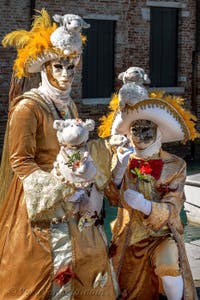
{"x": 164, "y": 105}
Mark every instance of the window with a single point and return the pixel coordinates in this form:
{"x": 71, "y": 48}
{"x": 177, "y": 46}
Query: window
{"x": 163, "y": 46}
{"x": 98, "y": 59}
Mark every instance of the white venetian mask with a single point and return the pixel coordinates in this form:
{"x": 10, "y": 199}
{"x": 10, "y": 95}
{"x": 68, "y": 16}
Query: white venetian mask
{"x": 60, "y": 73}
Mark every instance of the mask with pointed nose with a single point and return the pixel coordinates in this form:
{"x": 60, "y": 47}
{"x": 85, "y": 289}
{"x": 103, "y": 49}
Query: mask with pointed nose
{"x": 60, "y": 73}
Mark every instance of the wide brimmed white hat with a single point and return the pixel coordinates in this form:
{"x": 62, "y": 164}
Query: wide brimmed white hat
{"x": 174, "y": 122}
{"x": 46, "y": 41}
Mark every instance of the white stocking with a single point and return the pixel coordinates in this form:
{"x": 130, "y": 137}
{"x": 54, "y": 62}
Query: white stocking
{"x": 173, "y": 287}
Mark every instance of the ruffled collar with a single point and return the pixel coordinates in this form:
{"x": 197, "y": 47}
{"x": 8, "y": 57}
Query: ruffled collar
{"x": 152, "y": 150}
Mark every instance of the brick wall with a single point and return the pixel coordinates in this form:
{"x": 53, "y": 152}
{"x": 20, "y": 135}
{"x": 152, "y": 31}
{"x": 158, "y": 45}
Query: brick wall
{"x": 131, "y": 43}
{"x": 14, "y": 14}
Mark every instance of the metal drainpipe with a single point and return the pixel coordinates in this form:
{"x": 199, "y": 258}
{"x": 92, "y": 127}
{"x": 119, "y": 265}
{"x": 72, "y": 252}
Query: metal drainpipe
{"x": 194, "y": 72}
{"x": 32, "y": 9}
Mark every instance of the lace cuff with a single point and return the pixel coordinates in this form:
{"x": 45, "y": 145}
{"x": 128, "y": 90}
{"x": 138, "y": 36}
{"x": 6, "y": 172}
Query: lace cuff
{"x": 43, "y": 194}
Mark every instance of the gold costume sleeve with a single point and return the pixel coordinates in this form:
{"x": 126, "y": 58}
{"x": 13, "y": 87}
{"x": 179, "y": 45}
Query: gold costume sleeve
{"x": 22, "y": 140}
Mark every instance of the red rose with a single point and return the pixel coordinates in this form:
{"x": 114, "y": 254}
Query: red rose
{"x": 146, "y": 169}
{"x": 139, "y": 167}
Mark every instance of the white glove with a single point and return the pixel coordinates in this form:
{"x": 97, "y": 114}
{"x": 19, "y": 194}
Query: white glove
{"x": 76, "y": 196}
{"x": 122, "y": 160}
{"x": 123, "y": 154}
{"x": 137, "y": 201}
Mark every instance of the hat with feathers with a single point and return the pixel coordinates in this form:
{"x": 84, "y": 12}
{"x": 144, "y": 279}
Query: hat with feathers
{"x": 35, "y": 47}
{"x": 174, "y": 121}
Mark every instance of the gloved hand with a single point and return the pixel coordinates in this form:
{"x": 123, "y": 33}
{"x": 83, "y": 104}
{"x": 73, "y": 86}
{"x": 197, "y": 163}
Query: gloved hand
{"x": 123, "y": 153}
{"x": 137, "y": 201}
{"x": 76, "y": 196}
{"x": 122, "y": 160}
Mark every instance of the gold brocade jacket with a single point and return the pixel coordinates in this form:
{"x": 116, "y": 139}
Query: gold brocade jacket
{"x": 26, "y": 253}
{"x": 164, "y": 217}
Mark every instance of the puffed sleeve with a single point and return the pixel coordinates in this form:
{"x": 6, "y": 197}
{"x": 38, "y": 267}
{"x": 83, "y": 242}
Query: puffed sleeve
{"x": 22, "y": 140}
{"x": 168, "y": 210}
{"x": 43, "y": 192}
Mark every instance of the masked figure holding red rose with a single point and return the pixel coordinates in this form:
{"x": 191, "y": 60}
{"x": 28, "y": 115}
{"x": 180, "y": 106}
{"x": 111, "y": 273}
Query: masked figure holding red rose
{"x": 149, "y": 256}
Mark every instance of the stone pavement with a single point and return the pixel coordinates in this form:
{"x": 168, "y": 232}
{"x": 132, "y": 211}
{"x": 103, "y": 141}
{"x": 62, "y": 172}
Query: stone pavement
{"x": 193, "y": 253}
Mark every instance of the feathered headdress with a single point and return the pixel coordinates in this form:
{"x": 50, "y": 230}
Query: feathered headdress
{"x": 35, "y": 47}
{"x": 175, "y": 122}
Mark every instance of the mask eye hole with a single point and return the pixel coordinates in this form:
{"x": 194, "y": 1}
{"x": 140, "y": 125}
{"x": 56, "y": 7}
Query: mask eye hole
{"x": 70, "y": 67}
{"x": 134, "y": 131}
{"x": 58, "y": 66}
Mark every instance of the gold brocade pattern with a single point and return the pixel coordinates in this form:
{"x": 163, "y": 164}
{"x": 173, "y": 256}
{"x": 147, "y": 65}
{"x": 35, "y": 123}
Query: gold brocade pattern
{"x": 139, "y": 228}
{"x": 33, "y": 146}
{"x": 28, "y": 98}
{"x": 147, "y": 232}
{"x": 103, "y": 163}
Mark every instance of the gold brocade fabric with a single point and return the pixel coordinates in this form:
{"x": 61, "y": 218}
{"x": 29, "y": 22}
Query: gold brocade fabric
{"x": 25, "y": 249}
{"x": 139, "y": 230}
{"x": 137, "y": 275}
{"x": 142, "y": 263}
{"x": 90, "y": 258}
{"x": 101, "y": 155}
{"x": 173, "y": 176}
{"x": 33, "y": 145}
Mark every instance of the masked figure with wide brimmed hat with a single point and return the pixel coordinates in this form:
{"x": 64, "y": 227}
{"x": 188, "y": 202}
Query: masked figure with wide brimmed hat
{"x": 43, "y": 254}
{"x": 148, "y": 248}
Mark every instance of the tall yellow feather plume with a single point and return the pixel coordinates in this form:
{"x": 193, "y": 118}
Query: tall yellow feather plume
{"x": 104, "y": 129}
{"x": 39, "y": 43}
{"x": 17, "y": 39}
{"x": 178, "y": 102}
{"x": 41, "y": 21}
{"x": 31, "y": 44}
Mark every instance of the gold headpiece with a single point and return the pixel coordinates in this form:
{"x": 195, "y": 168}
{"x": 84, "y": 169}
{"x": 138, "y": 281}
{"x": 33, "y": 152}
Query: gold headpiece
{"x": 175, "y": 122}
{"x": 35, "y": 47}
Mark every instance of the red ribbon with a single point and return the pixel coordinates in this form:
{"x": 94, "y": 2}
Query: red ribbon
{"x": 64, "y": 275}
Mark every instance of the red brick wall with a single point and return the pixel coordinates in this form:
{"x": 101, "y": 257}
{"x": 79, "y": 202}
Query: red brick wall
{"x": 14, "y": 14}
{"x": 131, "y": 42}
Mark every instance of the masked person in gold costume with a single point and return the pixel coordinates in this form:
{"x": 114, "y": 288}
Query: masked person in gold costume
{"x": 43, "y": 255}
{"x": 147, "y": 245}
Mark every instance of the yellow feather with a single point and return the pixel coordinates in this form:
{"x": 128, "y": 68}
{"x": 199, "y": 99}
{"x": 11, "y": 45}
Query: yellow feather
{"x": 104, "y": 129}
{"x": 32, "y": 44}
{"x": 83, "y": 39}
{"x": 114, "y": 103}
{"x": 17, "y": 38}
{"x": 177, "y": 103}
{"x": 42, "y": 20}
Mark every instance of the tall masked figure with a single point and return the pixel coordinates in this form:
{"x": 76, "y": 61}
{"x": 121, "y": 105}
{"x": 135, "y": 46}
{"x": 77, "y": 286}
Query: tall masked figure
{"x": 43, "y": 255}
{"x": 150, "y": 257}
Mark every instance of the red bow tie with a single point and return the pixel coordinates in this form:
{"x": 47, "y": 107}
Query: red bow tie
{"x": 152, "y": 167}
